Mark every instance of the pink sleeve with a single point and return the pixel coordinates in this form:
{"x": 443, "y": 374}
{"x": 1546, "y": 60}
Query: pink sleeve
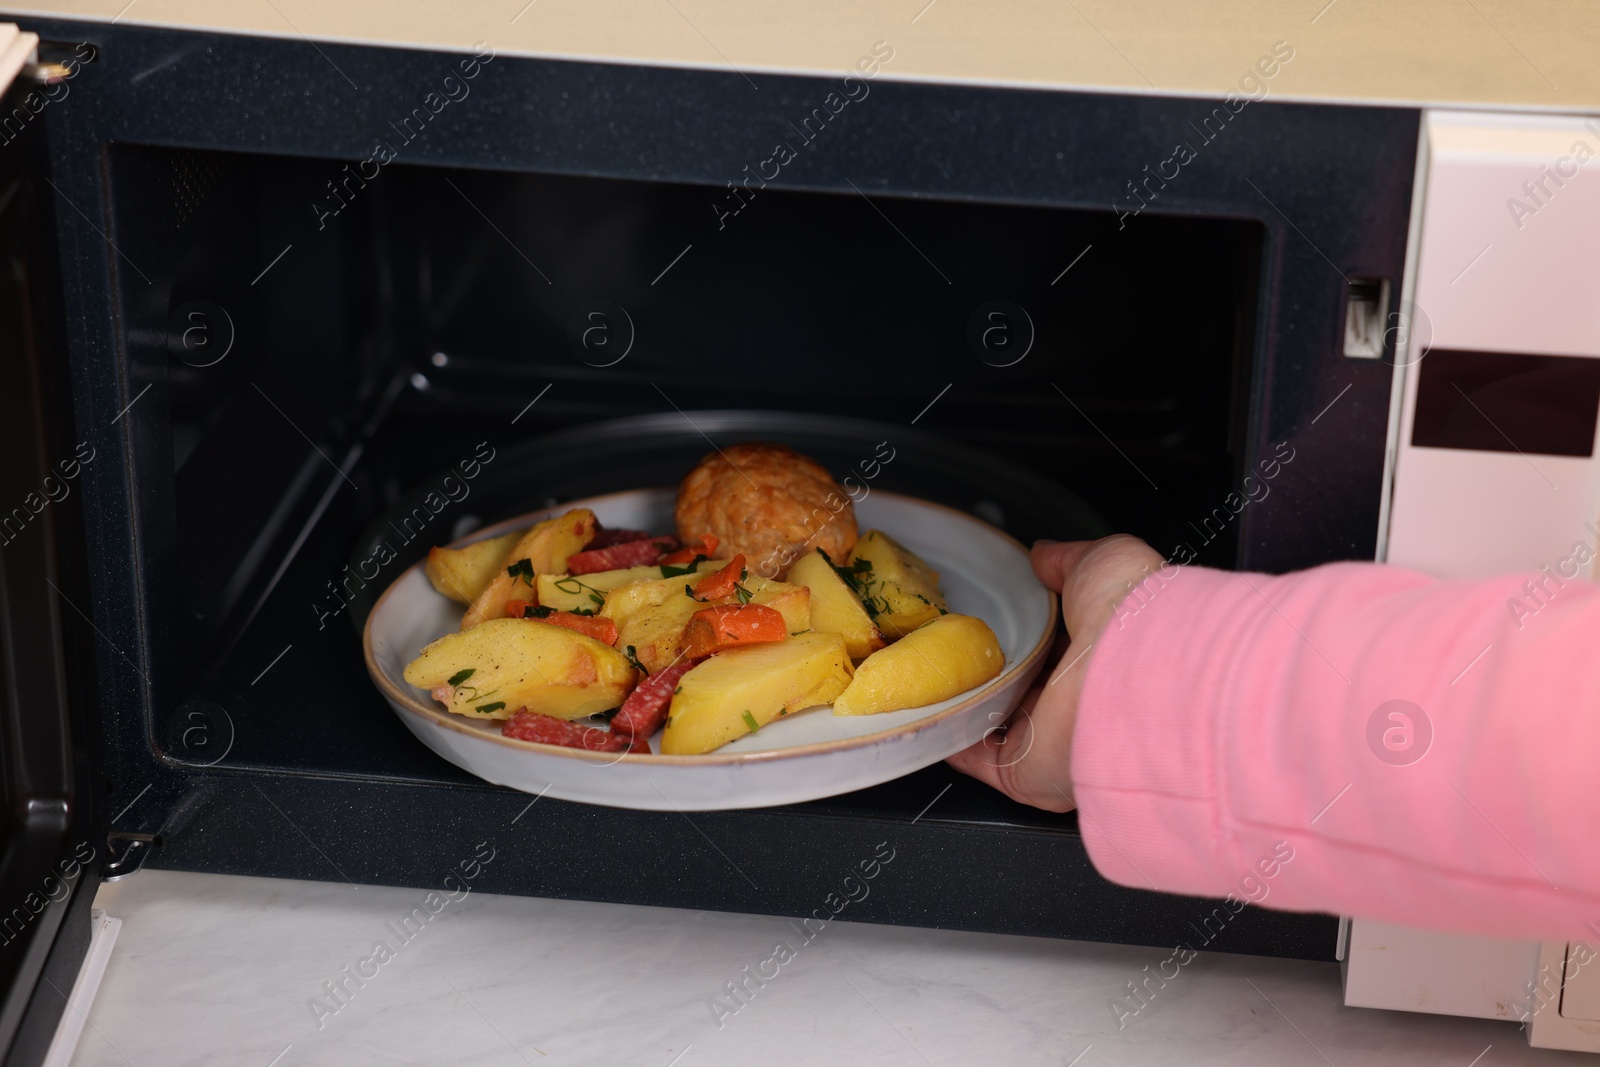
{"x": 1236, "y": 734}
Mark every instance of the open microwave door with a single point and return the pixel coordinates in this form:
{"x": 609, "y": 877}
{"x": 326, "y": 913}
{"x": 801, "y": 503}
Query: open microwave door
{"x": 51, "y": 835}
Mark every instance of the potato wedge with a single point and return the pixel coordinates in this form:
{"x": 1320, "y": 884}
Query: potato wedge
{"x": 651, "y": 615}
{"x": 501, "y": 665}
{"x": 566, "y": 592}
{"x": 461, "y": 573}
{"x": 656, "y": 633}
{"x": 734, "y": 692}
{"x": 899, "y": 591}
{"x": 835, "y": 609}
{"x": 626, "y": 601}
{"x": 949, "y": 655}
{"x": 546, "y": 548}
{"x": 791, "y": 601}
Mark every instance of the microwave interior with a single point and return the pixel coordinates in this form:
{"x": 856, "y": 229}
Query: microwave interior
{"x": 321, "y": 337}
{"x": 419, "y": 315}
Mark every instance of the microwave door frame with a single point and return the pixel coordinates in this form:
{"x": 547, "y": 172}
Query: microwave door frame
{"x": 1324, "y": 211}
{"x": 51, "y": 851}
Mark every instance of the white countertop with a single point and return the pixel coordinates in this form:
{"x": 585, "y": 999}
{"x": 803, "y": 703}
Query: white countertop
{"x": 217, "y": 971}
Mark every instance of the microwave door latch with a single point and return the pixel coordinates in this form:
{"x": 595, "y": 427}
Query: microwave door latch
{"x": 125, "y": 854}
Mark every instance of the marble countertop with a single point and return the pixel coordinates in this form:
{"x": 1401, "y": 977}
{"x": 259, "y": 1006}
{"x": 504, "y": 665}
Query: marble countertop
{"x": 221, "y": 971}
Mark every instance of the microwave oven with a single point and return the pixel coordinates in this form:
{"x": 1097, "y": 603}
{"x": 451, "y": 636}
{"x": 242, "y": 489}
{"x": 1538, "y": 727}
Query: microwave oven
{"x": 264, "y": 290}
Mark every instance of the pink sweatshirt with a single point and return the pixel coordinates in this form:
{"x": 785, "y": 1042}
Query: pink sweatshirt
{"x": 1235, "y": 734}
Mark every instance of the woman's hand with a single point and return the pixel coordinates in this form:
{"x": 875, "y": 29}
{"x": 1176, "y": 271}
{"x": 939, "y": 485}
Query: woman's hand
{"x": 1030, "y": 758}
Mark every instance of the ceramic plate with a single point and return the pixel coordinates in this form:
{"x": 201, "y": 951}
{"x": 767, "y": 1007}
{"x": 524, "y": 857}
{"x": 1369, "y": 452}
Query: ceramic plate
{"x": 801, "y": 757}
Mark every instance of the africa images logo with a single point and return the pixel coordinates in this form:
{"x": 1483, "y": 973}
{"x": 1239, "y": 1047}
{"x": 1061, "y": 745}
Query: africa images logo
{"x": 1399, "y": 732}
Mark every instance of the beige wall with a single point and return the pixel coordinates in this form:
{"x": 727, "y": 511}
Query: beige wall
{"x": 1529, "y": 54}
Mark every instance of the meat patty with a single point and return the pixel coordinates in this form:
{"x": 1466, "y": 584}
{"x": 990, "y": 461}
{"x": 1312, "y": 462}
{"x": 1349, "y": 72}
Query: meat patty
{"x": 770, "y": 503}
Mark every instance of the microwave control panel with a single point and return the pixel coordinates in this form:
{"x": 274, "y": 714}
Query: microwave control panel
{"x": 1499, "y": 343}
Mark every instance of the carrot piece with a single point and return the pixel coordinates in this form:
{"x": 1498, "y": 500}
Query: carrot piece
{"x": 725, "y": 626}
{"x": 707, "y": 548}
{"x": 515, "y": 608}
{"x": 718, "y": 585}
{"x": 601, "y": 629}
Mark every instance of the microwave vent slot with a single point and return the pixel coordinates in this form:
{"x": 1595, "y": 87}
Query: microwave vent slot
{"x": 195, "y": 175}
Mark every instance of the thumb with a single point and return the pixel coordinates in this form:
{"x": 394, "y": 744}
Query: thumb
{"x": 1093, "y": 577}
{"x": 1053, "y": 561}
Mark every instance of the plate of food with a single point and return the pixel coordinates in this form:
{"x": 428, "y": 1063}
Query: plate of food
{"x": 754, "y": 637}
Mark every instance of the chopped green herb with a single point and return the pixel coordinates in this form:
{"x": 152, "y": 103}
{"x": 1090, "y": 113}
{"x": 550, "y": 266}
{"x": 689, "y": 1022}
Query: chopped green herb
{"x": 922, "y": 598}
{"x": 742, "y": 593}
{"x": 486, "y": 708}
{"x": 688, "y": 591}
{"x": 461, "y": 675}
{"x": 537, "y": 611}
{"x": 750, "y": 721}
{"x": 853, "y": 568}
{"x": 522, "y": 568}
{"x": 633, "y": 658}
{"x": 797, "y": 633}
{"x": 678, "y": 690}
{"x": 782, "y": 712}
{"x": 607, "y": 715}
{"x": 944, "y": 611}
{"x": 669, "y": 571}
{"x": 857, "y": 575}
{"x": 571, "y": 584}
